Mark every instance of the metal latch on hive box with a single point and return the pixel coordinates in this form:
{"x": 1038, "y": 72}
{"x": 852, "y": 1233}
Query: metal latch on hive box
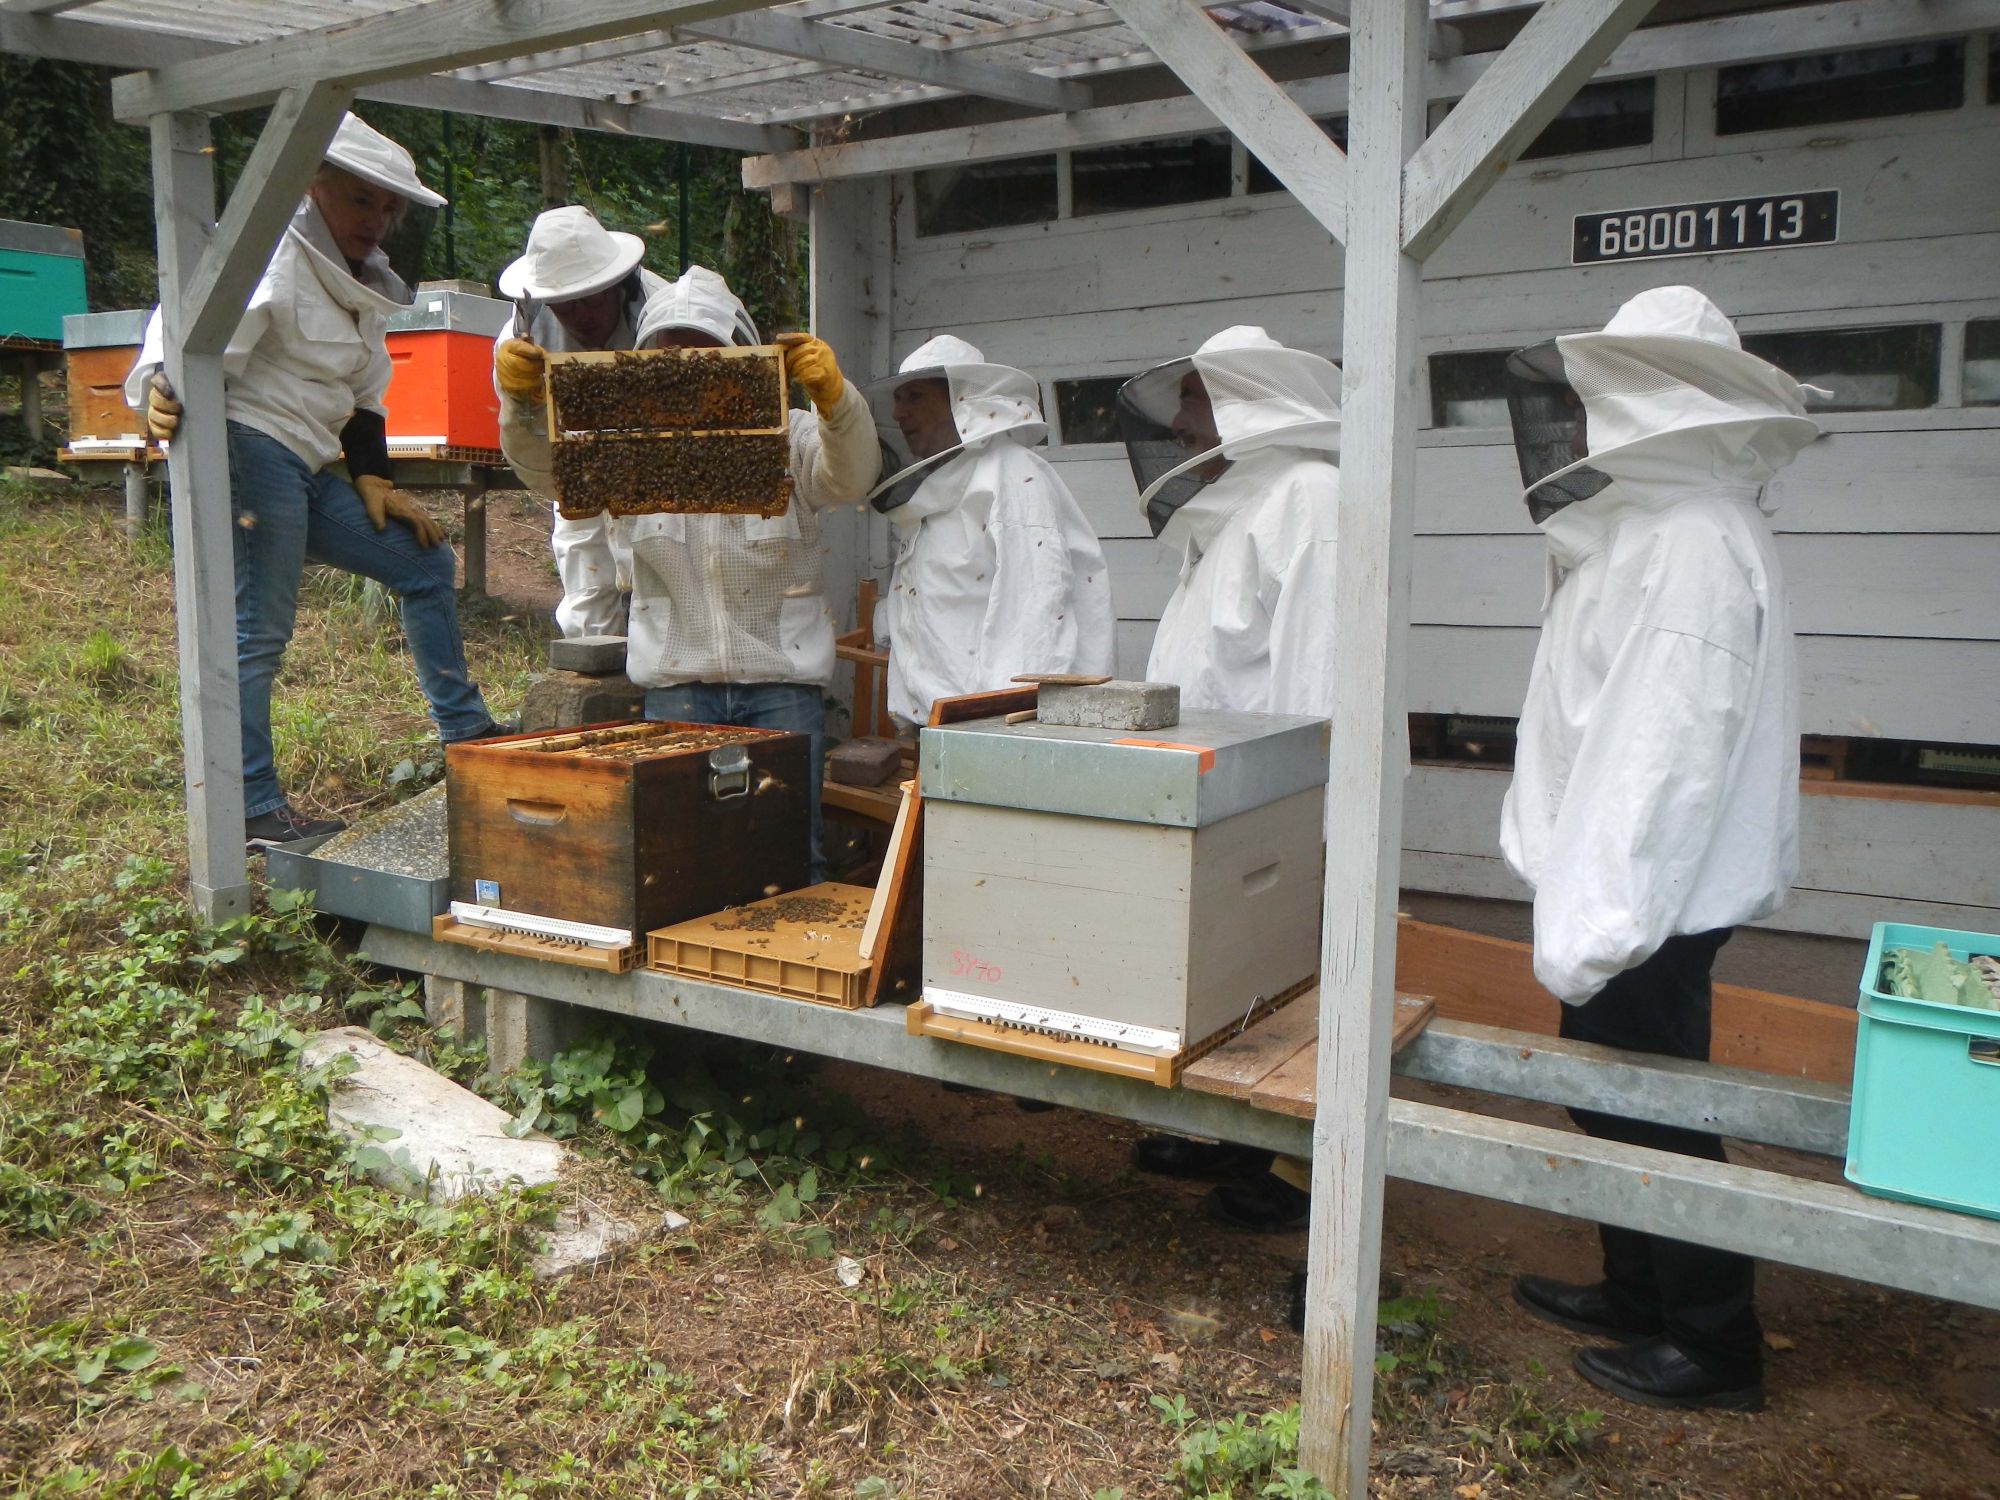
{"x": 728, "y": 772}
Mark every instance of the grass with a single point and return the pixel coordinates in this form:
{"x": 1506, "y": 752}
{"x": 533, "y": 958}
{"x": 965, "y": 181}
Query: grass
{"x": 204, "y": 1295}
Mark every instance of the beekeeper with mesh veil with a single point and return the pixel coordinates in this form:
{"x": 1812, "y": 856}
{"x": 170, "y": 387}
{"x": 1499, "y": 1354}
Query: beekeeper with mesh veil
{"x": 729, "y": 624}
{"x": 997, "y": 572}
{"x": 578, "y": 287}
{"x": 1655, "y": 796}
{"x": 304, "y": 377}
{"x": 1233, "y": 450}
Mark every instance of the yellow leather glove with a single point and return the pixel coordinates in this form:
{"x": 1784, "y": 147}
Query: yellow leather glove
{"x": 519, "y": 366}
{"x": 163, "y": 412}
{"x": 384, "y": 503}
{"x": 813, "y": 366}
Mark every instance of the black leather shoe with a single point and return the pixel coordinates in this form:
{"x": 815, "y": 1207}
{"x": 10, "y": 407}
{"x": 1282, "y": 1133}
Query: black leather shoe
{"x": 1654, "y": 1372}
{"x": 1264, "y": 1203}
{"x": 1177, "y": 1156}
{"x": 1581, "y": 1309}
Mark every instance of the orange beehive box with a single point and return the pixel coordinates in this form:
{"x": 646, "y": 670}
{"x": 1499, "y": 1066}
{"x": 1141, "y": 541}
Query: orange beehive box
{"x": 441, "y": 380}
{"x": 98, "y": 349}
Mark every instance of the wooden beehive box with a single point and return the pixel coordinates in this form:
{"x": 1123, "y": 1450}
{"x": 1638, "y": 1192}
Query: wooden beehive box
{"x": 628, "y": 826}
{"x": 681, "y": 430}
{"x": 98, "y": 351}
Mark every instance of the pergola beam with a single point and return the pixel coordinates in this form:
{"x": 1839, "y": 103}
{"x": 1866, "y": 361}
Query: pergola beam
{"x": 399, "y": 44}
{"x": 846, "y": 48}
{"x": 42, "y": 7}
{"x": 1731, "y": 39}
{"x": 569, "y": 57}
{"x": 1527, "y": 86}
{"x": 1246, "y": 100}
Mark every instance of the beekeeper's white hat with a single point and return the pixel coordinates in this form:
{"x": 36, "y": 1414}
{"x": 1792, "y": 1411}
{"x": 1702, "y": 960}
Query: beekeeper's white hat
{"x": 571, "y": 255}
{"x": 359, "y": 148}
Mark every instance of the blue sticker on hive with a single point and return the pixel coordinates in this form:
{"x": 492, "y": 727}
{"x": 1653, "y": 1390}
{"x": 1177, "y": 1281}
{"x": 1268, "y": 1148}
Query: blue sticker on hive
{"x": 486, "y": 892}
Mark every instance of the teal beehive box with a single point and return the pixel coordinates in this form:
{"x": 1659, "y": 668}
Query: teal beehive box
{"x": 1925, "y": 1123}
{"x": 41, "y": 280}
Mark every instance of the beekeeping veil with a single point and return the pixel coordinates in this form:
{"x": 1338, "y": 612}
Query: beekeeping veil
{"x": 1262, "y": 395}
{"x": 1665, "y": 391}
{"x": 700, "y": 300}
{"x": 986, "y": 400}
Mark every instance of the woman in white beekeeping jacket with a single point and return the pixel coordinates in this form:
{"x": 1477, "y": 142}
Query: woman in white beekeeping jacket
{"x": 1233, "y": 450}
{"x": 997, "y": 572}
{"x": 729, "y": 623}
{"x": 1655, "y": 796}
{"x": 304, "y": 376}
{"x": 578, "y": 286}
{"x": 1234, "y": 453}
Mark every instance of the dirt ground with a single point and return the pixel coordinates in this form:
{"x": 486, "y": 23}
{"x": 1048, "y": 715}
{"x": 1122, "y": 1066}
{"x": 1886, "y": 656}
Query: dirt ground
{"x": 1872, "y": 1393}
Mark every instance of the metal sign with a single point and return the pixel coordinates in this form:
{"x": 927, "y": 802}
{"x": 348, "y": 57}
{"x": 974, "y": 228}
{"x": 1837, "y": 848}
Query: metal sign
{"x": 1778, "y": 221}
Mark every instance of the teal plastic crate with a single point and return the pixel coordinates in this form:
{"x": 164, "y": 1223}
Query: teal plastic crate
{"x": 1925, "y": 1122}
{"x": 41, "y": 279}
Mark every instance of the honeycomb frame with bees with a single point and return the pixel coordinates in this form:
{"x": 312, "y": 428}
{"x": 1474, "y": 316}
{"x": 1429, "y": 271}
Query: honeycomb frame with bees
{"x": 689, "y": 431}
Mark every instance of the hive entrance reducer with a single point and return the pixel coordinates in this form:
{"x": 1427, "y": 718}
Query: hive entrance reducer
{"x": 691, "y": 431}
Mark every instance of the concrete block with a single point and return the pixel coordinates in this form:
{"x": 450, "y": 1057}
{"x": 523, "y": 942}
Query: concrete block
{"x": 444, "y": 1142}
{"x": 452, "y": 1005}
{"x": 519, "y": 1027}
{"x": 1111, "y": 705}
{"x": 563, "y": 700}
{"x": 592, "y": 655}
{"x": 863, "y": 762}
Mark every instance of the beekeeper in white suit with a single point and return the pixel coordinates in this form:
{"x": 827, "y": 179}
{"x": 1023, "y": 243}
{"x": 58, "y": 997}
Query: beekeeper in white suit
{"x": 997, "y": 572}
{"x": 729, "y": 622}
{"x": 1233, "y": 450}
{"x": 1655, "y": 796}
{"x": 304, "y": 376}
{"x": 579, "y": 286}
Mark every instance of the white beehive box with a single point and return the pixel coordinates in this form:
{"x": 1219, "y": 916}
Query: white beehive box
{"x": 1145, "y": 892}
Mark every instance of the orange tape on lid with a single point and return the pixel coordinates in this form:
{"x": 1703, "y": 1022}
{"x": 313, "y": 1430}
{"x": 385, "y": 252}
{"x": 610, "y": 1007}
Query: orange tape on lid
{"x": 1207, "y": 755}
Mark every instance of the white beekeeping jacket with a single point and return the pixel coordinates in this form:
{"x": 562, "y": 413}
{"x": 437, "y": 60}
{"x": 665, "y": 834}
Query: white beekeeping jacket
{"x": 997, "y": 572}
{"x": 311, "y": 348}
{"x": 1250, "y": 624}
{"x": 1656, "y": 776}
{"x": 592, "y": 600}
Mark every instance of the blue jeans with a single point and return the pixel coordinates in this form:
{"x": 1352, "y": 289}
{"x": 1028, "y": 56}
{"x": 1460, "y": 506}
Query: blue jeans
{"x": 756, "y": 705}
{"x": 286, "y": 514}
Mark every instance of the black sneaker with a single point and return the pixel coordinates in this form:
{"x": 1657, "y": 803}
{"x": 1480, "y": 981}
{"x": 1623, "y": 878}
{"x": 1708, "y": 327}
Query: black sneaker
{"x": 491, "y": 729}
{"x": 283, "y": 826}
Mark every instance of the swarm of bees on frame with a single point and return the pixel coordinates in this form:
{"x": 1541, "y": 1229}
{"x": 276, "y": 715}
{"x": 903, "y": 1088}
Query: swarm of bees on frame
{"x": 664, "y": 431}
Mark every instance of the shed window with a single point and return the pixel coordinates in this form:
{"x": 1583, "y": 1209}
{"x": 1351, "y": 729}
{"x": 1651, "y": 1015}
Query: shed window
{"x": 1982, "y": 362}
{"x": 1085, "y": 409}
{"x": 1264, "y": 180}
{"x": 1602, "y": 117}
{"x": 1863, "y": 84}
{"x": 1467, "y": 389}
{"x": 1150, "y": 174}
{"x": 986, "y": 195}
{"x": 1867, "y": 369}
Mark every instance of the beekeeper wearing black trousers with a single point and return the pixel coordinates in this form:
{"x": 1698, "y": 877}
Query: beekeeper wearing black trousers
{"x": 1654, "y": 804}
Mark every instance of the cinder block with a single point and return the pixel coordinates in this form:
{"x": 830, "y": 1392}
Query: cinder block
{"x": 592, "y": 655}
{"x": 563, "y": 700}
{"x": 864, "y": 761}
{"x": 1110, "y": 705}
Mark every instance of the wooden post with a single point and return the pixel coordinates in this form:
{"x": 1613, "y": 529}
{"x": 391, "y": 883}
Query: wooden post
{"x": 31, "y": 399}
{"x": 1370, "y": 743}
{"x": 204, "y": 556}
{"x": 135, "y": 502}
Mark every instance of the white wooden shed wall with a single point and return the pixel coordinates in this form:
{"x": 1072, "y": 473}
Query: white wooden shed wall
{"x": 1889, "y": 527}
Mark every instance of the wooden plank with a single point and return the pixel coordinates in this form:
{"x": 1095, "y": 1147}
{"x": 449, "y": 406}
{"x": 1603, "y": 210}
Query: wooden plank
{"x": 1289, "y": 1088}
{"x": 445, "y": 929}
{"x": 1240, "y": 1064}
{"x": 924, "y": 1021}
{"x": 396, "y": 44}
{"x": 892, "y": 859}
{"x": 1256, "y": 110}
{"x": 1523, "y": 89}
{"x": 1491, "y": 981}
{"x": 1371, "y": 613}
{"x": 790, "y": 36}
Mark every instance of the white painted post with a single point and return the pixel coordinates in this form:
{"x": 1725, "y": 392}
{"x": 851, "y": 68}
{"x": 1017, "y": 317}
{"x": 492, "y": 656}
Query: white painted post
{"x": 204, "y": 560}
{"x": 135, "y": 502}
{"x": 1370, "y": 743}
